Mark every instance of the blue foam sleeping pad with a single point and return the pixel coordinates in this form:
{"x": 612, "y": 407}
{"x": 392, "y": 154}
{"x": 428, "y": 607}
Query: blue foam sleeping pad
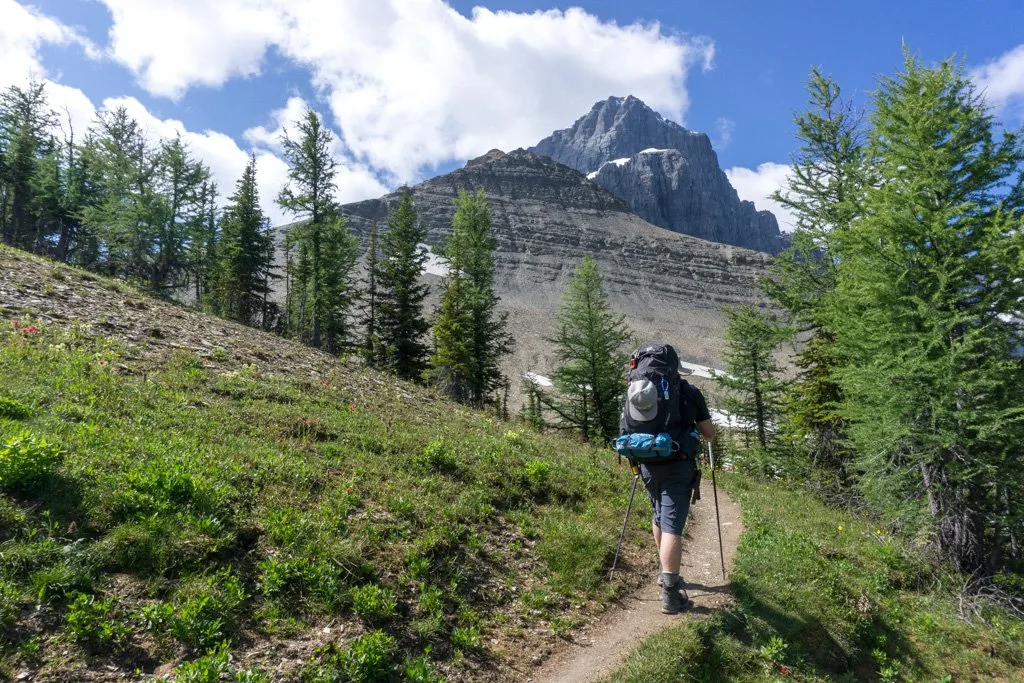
{"x": 644, "y": 445}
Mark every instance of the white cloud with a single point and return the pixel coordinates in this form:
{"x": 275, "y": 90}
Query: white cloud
{"x": 1002, "y": 81}
{"x": 412, "y": 83}
{"x": 758, "y": 185}
{"x": 23, "y": 31}
{"x": 724, "y": 128}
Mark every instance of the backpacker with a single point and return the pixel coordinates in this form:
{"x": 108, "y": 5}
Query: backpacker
{"x": 654, "y": 421}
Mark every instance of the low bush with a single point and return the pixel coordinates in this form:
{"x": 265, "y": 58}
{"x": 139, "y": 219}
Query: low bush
{"x": 26, "y": 462}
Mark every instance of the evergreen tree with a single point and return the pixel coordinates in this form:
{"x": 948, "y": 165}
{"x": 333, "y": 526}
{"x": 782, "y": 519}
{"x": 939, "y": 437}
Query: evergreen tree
{"x": 245, "y": 255}
{"x": 824, "y": 192}
{"x": 401, "y": 324}
{"x": 321, "y": 291}
{"x": 181, "y": 188}
{"x": 26, "y": 142}
{"x": 125, "y": 214}
{"x": 752, "y": 375}
{"x": 927, "y": 317}
{"x": 590, "y": 347}
{"x": 470, "y": 337}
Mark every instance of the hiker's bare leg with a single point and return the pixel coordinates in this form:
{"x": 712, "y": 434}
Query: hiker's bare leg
{"x": 656, "y": 530}
{"x": 670, "y": 550}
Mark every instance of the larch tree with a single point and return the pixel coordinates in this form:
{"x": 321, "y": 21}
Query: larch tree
{"x": 470, "y": 336}
{"x": 927, "y": 316}
{"x": 591, "y": 353}
{"x": 321, "y": 290}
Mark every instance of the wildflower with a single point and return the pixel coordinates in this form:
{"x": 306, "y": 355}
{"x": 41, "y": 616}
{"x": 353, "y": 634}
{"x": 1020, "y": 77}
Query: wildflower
{"x": 31, "y": 329}
{"x": 840, "y": 527}
{"x": 102, "y": 361}
{"x": 352, "y": 407}
{"x": 206, "y": 362}
{"x": 785, "y": 670}
{"x": 16, "y": 324}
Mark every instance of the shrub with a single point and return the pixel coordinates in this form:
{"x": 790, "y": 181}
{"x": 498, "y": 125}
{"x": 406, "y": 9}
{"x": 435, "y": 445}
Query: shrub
{"x": 373, "y": 603}
{"x": 466, "y": 638}
{"x": 12, "y": 410}
{"x": 538, "y": 473}
{"x": 207, "y": 669}
{"x": 95, "y": 623}
{"x": 368, "y": 658}
{"x": 438, "y": 456}
{"x": 26, "y": 462}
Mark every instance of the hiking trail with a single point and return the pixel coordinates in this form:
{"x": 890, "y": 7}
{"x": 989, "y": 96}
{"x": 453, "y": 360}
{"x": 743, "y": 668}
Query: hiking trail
{"x": 599, "y": 651}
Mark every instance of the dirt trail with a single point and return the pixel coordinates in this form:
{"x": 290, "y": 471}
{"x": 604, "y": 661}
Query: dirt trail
{"x": 599, "y": 652}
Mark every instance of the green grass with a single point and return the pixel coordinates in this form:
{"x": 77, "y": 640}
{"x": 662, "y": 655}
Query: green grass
{"x": 823, "y": 595}
{"x": 186, "y": 512}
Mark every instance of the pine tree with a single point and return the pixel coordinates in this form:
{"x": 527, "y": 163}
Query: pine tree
{"x": 590, "y": 347}
{"x": 320, "y": 290}
{"x": 245, "y": 255}
{"x": 752, "y": 377}
{"x": 927, "y": 316}
{"x": 470, "y": 337}
{"x": 401, "y": 323}
{"x": 181, "y": 184}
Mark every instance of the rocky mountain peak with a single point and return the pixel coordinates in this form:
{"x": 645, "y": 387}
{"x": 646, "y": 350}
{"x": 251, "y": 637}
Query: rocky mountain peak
{"x": 666, "y": 174}
{"x": 493, "y": 155}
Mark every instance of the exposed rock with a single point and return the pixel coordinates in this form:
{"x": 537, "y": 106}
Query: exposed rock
{"x": 546, "y": 216}
{"x": 666, "y": 174}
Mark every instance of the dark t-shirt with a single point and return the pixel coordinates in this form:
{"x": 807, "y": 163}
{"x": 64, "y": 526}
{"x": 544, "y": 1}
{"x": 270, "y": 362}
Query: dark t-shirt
{"x": 696, "y": 408}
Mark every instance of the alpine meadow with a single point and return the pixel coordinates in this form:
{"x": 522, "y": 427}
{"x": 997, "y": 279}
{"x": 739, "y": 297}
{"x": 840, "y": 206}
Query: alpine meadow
{"x": 369, "y": 399}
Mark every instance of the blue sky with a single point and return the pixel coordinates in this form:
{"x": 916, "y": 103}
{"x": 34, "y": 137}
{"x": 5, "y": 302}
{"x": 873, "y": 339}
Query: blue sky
{"x": 412, "y": 88}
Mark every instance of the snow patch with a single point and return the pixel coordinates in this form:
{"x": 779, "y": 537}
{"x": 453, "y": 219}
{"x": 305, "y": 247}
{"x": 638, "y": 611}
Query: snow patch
{"x": 435, "y": 265}
{"x": 591, "y": 176}
{"x": 539, "y": 380}
{"x": 701, "y": 370}
{"x": 618, "y": 162}
{"x": 653, "y": 150}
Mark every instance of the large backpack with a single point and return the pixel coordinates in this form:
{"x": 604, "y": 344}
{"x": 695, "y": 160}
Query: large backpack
{"x": 654, "y": 420}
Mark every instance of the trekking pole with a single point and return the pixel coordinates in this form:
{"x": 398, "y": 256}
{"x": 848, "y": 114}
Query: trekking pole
{"x": 718, "y": 519}
{"x": 636, "y": 478}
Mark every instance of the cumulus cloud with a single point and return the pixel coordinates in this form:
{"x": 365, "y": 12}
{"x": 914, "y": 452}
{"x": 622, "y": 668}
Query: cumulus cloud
{"x": 759, "y": 184}
{"x": 23, "y": 31}
{"x": 1002, "y": 81}
{"x": 412, "y": 83}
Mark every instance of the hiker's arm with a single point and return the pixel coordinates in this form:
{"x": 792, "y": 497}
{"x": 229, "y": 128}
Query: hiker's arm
{"x": 706, "y": 429}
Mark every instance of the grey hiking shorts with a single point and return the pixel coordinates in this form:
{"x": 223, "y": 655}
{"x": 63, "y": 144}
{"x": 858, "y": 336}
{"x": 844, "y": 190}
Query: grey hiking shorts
{"x": 669, "y": 485}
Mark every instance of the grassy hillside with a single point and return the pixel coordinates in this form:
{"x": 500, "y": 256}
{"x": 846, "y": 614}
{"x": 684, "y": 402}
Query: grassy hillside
{"x": 823, "y": 595}
{"x": 189, "y": 502}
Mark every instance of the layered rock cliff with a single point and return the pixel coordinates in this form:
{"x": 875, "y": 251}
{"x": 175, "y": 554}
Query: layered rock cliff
{"x": 546, "y": 216}
{"x": 666, "y": 174}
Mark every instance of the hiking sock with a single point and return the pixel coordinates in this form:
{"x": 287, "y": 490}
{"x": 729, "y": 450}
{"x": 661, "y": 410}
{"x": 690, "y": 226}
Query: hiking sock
{"x": 669, "y": 579}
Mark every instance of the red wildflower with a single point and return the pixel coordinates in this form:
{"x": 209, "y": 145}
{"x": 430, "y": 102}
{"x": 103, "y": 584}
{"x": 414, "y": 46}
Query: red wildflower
{"x": 31, "y": 329}
{"x": 16, "y": 324}
{"x": 206, "y": 361}
{"x": 102, "y": 361}
{"x": 785, "y": 670}
{"x": 351, "y": 407}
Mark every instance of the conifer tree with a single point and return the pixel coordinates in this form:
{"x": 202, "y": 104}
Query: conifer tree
{"x": 321, "y": 290}
{"x": 470, "y": 337}
{"x": 401, "y": 323}
{"x": 752, "y": 374}
{"x": 590, "y": 347}
{"x": 181, "y": 191}
{"x": 927, "y": 309}
{"x": 245, "y": 255}
{"x": 26, "y": 125}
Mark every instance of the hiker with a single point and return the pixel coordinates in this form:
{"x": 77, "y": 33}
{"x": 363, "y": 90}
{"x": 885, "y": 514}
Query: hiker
{"x": 661, "y": 405}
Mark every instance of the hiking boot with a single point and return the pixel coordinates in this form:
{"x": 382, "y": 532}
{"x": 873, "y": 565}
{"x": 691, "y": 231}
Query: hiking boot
{"x": 674, "y": 599}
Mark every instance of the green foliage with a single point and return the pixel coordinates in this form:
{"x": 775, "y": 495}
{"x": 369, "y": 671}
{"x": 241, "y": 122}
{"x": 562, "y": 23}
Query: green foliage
{"x": 929, "y": 284}
{"x": 375, "y": 604}
{"x": 26, "y": 462}
{"x": 589, "y": 346}
{"x": 752, "y": 375}
{"x": 13, "y": 410}
{"x": 321, "y": 288}
{"x": 216, "y": 666}
{"x": 95, "y": 623}
{"x": 418, "y": 670}
{"x": 370, "y": 657}
{"x": 201, "y": 613}
{"x": 576, "y": 552}
{"x": 470, "y": 337}
{"x": 821, "y": 595}
{"x": 400, "y": 322}
{"x": 240, "y": 283}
